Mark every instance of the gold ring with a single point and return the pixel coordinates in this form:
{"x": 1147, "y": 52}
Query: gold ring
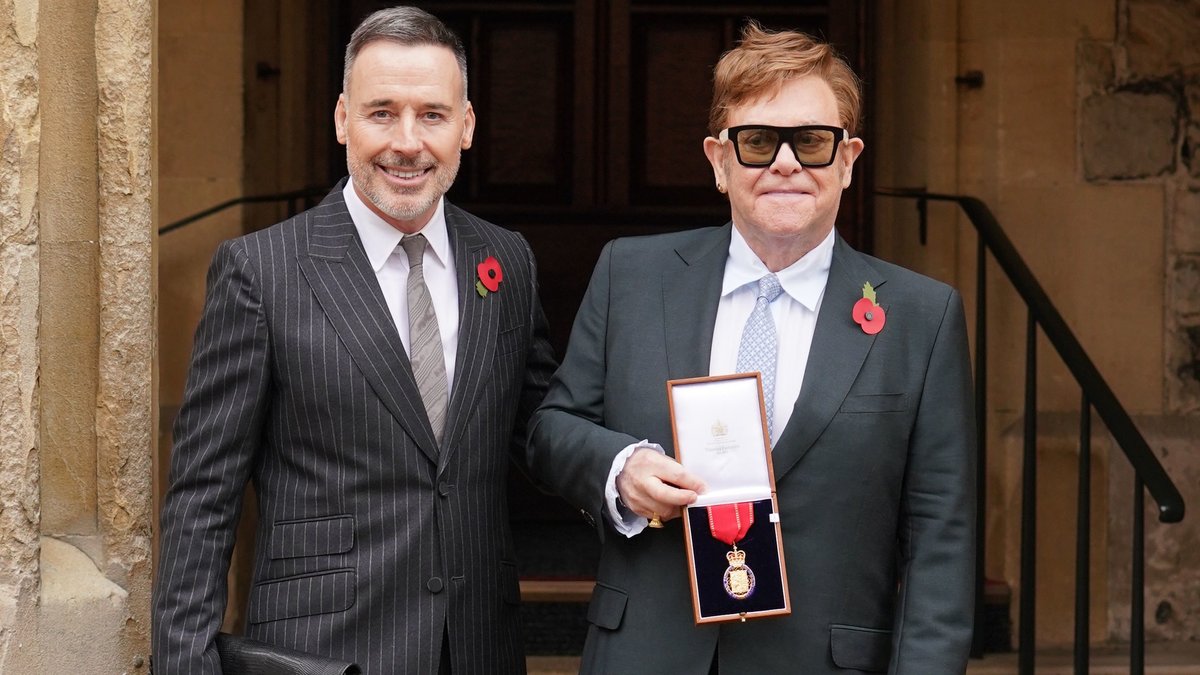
{"x": 656, "y": 522}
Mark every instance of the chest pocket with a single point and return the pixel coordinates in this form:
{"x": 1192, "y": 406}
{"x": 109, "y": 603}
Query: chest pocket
{"x": 327, "y": 535}
{"x": 875, "y": 403}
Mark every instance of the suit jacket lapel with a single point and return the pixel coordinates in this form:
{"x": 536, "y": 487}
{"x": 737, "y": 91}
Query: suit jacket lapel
{"x": 839, "y": 348}
{"x": 478, "y": 325}
{"x": 340, "y": 275}
{"x": 691, "y": 293}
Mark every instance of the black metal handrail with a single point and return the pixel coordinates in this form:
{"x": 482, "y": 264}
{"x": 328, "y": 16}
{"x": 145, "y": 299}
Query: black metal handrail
{"x": 294, "y": 198}
{"x": 1149, "y": 473}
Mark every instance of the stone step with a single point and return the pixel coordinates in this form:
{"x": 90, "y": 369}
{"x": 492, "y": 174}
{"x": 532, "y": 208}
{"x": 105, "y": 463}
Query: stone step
{"x": 556, "y": 590}
{"x": 1176, "y": 658}
{"x": 1170, "y": 658}
{"x": 552, "y": 665}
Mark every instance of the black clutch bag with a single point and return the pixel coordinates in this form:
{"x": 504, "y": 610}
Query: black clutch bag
{"x": 243, "y": 656}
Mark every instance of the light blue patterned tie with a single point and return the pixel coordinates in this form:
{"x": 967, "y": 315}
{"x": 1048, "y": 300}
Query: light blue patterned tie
{"x": 760, "y": 345}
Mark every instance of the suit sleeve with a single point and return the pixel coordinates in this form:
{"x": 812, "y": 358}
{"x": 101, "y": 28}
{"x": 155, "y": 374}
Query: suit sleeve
{"x": 570, "y": 451}
{"x": 539, "y": 362}
{"x": 216, "y": 437}
{"x": 934, "y": 614}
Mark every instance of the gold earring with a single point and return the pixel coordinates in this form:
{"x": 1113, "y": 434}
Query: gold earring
{"x": 720, "y": 188}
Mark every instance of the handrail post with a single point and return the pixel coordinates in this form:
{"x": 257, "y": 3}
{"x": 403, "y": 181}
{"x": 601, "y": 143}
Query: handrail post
{"x": 1025, "y": 657}
{"x": 1137, "y": 604}
{"x": 977, "y": 640}
{"x": 1083, "y": 539}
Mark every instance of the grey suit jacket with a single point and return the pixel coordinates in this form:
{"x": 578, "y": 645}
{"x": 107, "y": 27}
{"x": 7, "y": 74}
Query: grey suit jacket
{"x": 372, "y": 540}
{"x": 874, "y": 471}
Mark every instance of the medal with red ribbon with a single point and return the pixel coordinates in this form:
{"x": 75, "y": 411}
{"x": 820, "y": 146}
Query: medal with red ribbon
{"x": 729, "y": 523}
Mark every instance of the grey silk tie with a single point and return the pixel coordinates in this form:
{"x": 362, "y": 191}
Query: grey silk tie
{"x": 760, "y": 345}
{"x": 425, "y": 340}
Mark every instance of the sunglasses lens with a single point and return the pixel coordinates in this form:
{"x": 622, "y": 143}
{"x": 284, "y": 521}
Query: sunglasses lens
{"x": 757, "y": 146}
{"x": 814, "y": 146}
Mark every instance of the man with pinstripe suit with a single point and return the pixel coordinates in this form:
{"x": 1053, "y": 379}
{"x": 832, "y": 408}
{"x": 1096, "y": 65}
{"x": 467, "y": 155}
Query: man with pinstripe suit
{"x": 369, "y": 365}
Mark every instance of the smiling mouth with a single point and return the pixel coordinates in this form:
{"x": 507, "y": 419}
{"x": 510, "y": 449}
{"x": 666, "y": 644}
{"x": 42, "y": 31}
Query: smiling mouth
{"x": 405, "y": 174}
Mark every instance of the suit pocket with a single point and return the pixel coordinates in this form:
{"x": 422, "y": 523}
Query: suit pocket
{"x": 327, "y": 535}
{"x": 302, "y": 595}
{"x": 875, "y": 403}
{"x": 510, "y": 584}
{"x": 859, "y": 648}
{"x": 510, "y": 340}
{"x": 607, "y": 607}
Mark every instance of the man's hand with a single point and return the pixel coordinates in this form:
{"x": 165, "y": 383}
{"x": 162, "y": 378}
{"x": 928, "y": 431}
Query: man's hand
{"x": 652, "y": 484}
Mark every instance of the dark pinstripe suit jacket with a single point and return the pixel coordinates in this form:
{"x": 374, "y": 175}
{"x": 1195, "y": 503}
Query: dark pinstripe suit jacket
{"x": 371, "y": 539}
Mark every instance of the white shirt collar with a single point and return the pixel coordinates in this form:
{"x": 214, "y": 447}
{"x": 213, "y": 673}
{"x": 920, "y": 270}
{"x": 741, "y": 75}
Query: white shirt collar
{"x": 381, "y": 239}
{"x": 803, "y": 280}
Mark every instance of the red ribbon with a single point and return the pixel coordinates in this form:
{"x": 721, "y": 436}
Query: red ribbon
{"x": 730, "y": 522}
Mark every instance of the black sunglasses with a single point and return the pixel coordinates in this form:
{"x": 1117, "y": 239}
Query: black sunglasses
{"x": 757, "y": 145}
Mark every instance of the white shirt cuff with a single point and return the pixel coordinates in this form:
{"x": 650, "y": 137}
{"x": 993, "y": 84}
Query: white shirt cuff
{"x": 623, "y": 520}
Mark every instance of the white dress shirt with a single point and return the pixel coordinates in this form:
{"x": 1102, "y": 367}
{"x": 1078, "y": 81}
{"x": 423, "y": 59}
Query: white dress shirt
{"x": 794, "y": 311}
{"x": 390, "y": 262}
{"x": 795, "y": 314}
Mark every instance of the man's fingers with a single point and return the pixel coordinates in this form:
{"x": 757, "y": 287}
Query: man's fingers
{"x": 674, "y": 474}
{"x": 668, "y": 496}
{"x": 653, "y": 484}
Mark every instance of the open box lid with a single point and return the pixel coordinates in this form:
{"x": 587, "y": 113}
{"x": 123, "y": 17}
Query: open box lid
{"x": 720, "y": 435}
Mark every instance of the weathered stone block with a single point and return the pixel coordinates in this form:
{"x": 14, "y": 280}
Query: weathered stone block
{"x": 1162, "y": 38}
{"x": 1094, "y": 65}
{"x": 1172, "y": 595}
{"x": 1183, "y": 367}
{"x": 1185, "y": 286}
{"x": 1127, "y": 135}
{"x": 68, "y": 344}
{"x": 1185, "y": 222}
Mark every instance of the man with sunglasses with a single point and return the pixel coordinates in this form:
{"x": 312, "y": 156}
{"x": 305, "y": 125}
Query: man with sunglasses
{"x": 867, "y": 390}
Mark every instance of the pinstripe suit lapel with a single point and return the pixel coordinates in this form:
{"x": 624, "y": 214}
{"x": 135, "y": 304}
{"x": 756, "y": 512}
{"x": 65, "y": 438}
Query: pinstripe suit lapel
{"x": 337, "y": 270}
{"x": 839, "y": 348}
{"x": 478, "y": 324}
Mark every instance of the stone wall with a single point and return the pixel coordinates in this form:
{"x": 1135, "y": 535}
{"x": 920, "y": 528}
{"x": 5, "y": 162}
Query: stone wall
{"x": 1084, "y": 140}
{"x": 19, "y": 277}
{"x": 1140, "y": 125}
{"x": 126, "y": 398}
{"x": 77, "y": 344}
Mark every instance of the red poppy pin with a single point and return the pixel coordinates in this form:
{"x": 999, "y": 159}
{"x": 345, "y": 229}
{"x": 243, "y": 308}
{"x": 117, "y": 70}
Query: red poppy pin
{"x": 490, "y": 276}
{"x": 868, "y": 314}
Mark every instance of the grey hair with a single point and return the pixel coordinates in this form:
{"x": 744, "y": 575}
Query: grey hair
{"x": 407, "y": 26}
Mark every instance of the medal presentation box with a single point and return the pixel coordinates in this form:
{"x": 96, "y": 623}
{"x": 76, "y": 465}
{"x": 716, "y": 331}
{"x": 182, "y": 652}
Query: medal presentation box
{"x": 735, "y": 551}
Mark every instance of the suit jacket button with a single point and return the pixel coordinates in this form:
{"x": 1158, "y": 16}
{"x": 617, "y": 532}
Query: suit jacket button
{"x": 444, "y": 489}
{"x": 434, "y": 585}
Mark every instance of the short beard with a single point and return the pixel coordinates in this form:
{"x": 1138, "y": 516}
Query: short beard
{"x": 385, "y": 200}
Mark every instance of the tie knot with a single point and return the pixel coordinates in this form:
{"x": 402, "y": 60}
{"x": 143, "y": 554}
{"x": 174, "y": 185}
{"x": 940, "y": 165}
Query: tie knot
{"x": 769, "y": 288}
{"x": 414, "y": 246}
